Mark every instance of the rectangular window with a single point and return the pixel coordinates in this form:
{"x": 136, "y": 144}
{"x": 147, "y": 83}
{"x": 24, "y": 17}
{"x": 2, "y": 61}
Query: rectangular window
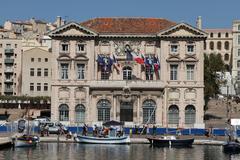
{"x": 38, "y": 86}
{"x": 15, "y": 45}
{"x": 39, "y": 72}
{"x": 238, "y": 39}
{"x": 238, "y": 52}
{"x": 238, "y": 64}
{"x": 238, "y": 75}
{"x": 8, "y": 46}
{"x": 149, "y": 73}
{"x": 39, "y": 59}
{"x": 45, "y": 87}
{"x": 64, "y": 48}
{"x": 46, "y": 59}
{"x": 0, "y": 45}
{"x": 80, "y": 71}
{"x": 190, "y": 72}
{"x": 31, "y": 72}
{"x": 45, "y": 72}
{"x": 31, "y": 86}
{"x": 174, "y": 48}
{"x": 190, "y": 48}
{"x": 32, "y": 59}
{"x": 173, "y": 71}
{"x": 64, "y": 71}
{"x": 104, "y": 75}
{"x": 80, "y": 48}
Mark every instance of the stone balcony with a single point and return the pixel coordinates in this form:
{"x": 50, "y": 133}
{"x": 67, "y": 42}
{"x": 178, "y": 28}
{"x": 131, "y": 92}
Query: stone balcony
{"x": 122, "y": 83}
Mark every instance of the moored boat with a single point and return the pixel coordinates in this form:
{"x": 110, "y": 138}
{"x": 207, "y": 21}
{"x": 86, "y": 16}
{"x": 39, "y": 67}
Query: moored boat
{"x": 170, "y": 141}
{"x": 103, "y": 140}
{"x": 25, "y": 141}
{"x": 231, "y": 147}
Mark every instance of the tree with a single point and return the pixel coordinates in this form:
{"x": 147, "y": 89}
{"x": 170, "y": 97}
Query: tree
{"x": 212, "y": 64}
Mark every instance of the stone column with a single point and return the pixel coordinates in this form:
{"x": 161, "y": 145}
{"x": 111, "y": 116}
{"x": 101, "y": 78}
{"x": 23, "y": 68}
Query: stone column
{"x": 138, "y": 109}
{"x": 72, "y": 106}
{"x": 114, "y": 107}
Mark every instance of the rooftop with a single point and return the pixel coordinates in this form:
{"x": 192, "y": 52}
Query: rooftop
{"x": 128, "y": 25}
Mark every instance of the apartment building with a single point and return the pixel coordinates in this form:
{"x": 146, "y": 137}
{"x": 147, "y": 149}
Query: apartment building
{"x": 10, "y": 66}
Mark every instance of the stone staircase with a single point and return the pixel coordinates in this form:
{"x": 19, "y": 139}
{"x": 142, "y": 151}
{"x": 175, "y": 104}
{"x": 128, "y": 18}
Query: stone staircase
{"x": 217, "y": 110}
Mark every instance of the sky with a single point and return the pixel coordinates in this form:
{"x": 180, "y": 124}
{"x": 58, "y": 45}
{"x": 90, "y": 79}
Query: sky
{"x": 214, "y": 13}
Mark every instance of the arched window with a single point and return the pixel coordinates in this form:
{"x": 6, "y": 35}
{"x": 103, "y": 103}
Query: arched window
{"x": 190, "y": 114}
{"x": 219, "y": 45}
{"x": 149, "y": 111}
{"x": 103, "y": 107}
{"x": 226, "y": 35}
{"x": 173, "y": 114}
{"x": 226, "y": 57}
{"x": 80, "y": 113}
{"x": 226, "y": 45}
{"x": 211, "y": 34}
{"x": 127, "y": 73}
{"x": 211, "y": 45}
{"x": 63, "y": 112}
{"x": 219, "y": 35}
{"x": 238, "y": 64}
{"x": 204, "y": 45}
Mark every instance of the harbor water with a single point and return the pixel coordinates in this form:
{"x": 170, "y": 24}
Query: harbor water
{"x": 72, "y": 151}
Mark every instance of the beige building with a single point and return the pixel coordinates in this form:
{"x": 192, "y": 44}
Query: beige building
{"x": 236, "y": 55}
{"x": 10, "y": 66}
{"x": 36, "y": 75}
{"x": 95, "y": 79}
{"x": 220, "y": 41}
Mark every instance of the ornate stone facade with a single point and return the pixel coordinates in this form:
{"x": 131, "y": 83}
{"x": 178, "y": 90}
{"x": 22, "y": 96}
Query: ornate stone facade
{"x": 83, "y": 92}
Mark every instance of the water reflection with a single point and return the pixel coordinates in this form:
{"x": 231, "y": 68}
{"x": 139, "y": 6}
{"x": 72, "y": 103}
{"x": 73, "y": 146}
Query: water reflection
{"x": 71, "y": 151}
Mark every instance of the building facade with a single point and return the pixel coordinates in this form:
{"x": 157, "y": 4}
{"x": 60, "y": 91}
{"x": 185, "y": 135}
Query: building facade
{"x": 10, "y": 66}
{"x": 36, "y": 75}
{"x": 236, "y": 55}
{"x": 220, "y": 41}
{"x": 135, "y": 70}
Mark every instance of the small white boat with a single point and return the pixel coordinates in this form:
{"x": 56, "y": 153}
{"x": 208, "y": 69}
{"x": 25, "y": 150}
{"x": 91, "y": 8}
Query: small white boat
{"x": 25, "y": 141}
{"x": 103, "y": 140}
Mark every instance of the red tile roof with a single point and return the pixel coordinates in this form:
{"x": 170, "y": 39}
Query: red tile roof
{"x": 128, "y": 25}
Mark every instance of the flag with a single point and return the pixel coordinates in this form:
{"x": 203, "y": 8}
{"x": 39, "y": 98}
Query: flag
{"x": 115, "y": 63}
{"x": 129, "y": 55}
{"x": 156, "y": 64}
{"x": 137, "y": 58}
{"x": 100, "y": 60}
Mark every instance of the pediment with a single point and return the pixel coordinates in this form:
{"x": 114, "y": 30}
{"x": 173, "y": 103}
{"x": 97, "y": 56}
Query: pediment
{"x": 173, "y": 59}
{"x": 81, "y": 58}
{"x": 71, "y": 29}
{"x": 190, "y": 58}
{"x": 183, "y": 30}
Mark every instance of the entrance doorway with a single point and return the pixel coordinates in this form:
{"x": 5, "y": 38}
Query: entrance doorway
{"x": 126, "y": 112}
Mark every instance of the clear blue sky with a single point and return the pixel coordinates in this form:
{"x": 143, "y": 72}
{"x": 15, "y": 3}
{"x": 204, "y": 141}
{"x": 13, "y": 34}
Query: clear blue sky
{"x": 215, "y": 13}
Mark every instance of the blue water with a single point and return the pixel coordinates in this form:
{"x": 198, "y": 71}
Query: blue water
{"x": 72, "y": 151}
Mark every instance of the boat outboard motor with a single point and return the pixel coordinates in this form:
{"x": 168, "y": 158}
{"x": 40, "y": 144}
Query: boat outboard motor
{"x": 21, "y": 125}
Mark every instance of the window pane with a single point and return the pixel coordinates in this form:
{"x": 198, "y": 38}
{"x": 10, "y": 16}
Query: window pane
{"x": 190, "y": 72}
{"x": 64, "y": 71}
{"x": 127, "y": 73}
{"x": 80, "y": 71}
{"x": 173, "y": 72}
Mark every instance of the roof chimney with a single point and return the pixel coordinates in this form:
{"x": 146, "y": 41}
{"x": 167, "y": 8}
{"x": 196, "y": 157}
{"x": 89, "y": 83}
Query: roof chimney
{"x": 199, "y": 22}
{"x": 59, "y": 21}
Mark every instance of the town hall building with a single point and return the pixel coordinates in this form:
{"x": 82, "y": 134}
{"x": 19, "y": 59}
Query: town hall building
{"x": 135, "y": 70}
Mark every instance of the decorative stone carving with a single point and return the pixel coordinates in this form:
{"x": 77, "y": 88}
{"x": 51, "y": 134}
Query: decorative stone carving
{"x": 64, "y": 93}
{"x": 174, "y": 94}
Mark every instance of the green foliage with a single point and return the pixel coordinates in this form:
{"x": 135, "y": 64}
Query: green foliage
{"x": 212, "y": 64}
